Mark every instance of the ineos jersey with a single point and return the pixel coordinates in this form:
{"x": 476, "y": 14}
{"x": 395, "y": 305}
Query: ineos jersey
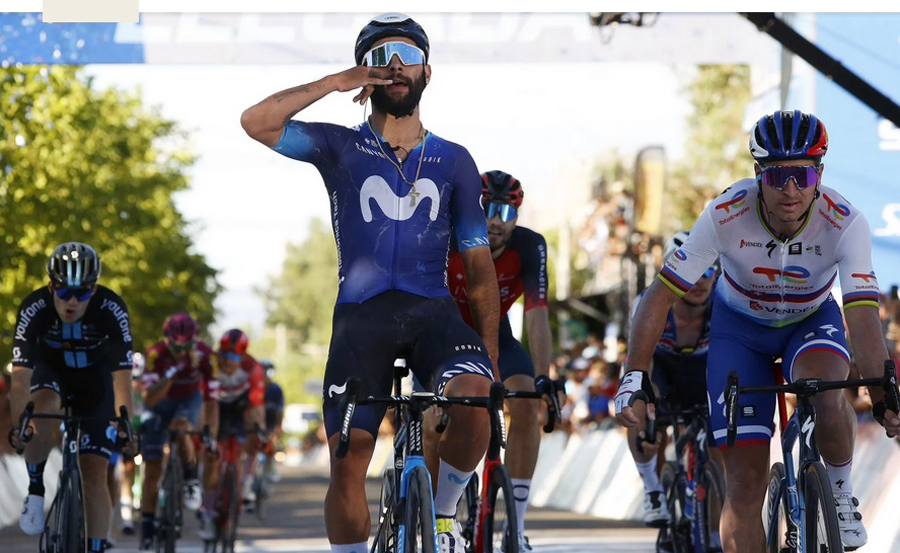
{"x": 100, "y": 339}
{"x": 387, "y": 237}
{"x": 522, "y": 267}
{"x": 771, "y": 281}
{"x": 197, "y": 370}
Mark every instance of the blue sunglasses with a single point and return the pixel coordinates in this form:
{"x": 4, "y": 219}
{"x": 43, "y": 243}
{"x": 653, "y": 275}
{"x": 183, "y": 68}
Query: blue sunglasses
{"x": 506, "y": 212}
{"x": 233, "y": 357}
{"x": 81, "y": 294}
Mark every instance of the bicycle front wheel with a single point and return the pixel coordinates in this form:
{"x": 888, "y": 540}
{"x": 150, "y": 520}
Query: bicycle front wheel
{"x": 384, "y": 539}
{"x": 467, "y": 512}
{"x": 780, "y": 533}
{"x": 65, "y": 529}
{"x": 676, "y": 536}
{"x": 822, "y": 532}
{"x": 711, "y": 497}
{"x": 419, "y": 533}
{"x": 229, "y": 510}
{"x": 500, "y": 524}
{"x": 170, "y": 510}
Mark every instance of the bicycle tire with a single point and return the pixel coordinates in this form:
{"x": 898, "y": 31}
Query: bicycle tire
{"x": 823, "y": 535}
{"x": 777, "y": 509}
{"x": 500, "y": 524}
{"x": 76, "y": 533}
{"x": 229, "y": 510}
{"x": 169, "y": 507}
{"x": 65, "y": 530}
{"x": 467, "y": 513}
{"x": 710, "y": 485}
{"x": 419, "y": 514}
{"x": 676, "y": 536}
{"x": 385, "y": 539}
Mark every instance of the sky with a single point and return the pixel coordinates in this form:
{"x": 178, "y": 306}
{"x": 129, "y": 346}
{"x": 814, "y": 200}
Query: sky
{"x": 544, "y": 123}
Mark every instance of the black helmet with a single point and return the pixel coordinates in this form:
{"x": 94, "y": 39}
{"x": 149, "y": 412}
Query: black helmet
{"x": 497, "y": 186}
{"x": 73, "y": 264}
{"x": 788, "y": 135}
{"x": 390, "y": 24}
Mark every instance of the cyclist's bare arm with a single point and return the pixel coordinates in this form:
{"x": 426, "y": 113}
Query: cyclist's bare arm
{"x": 646, "y": 328}
{"x": 484, "y": 298}
{"x": 265, "y": 121}
{"x": 211, "y": 416}
{"x": 122, "y": 391}
{"x": 18, "y": 391}
{"x": 540, "y": 341}
{"x": 156, "y": 392}
{"x": 870, "y": 352}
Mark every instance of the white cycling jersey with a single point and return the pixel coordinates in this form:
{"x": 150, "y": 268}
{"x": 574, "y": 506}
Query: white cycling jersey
{"x": 777, "y": 282}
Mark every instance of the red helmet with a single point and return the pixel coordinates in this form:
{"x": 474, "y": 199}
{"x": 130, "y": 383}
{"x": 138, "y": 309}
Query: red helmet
{"x": 500, "y": 187}
{"x": 234, "y": 341}
{"x": 180, "y": 328}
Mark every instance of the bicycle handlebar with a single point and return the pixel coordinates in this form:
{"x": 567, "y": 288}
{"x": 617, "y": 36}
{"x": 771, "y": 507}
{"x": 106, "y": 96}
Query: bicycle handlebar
{"x": 808, "y": 387}
{"x": 28, "y": 415}
{"x": 494, "y": 404}
{"x": 650, "y": 432}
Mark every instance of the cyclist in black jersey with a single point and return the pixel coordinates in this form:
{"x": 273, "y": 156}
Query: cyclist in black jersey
{"x": 397, "y": 191}
{"x": 72, "y": 348}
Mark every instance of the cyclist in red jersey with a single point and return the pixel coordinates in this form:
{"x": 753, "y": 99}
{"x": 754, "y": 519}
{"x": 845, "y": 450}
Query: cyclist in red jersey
{"x": 180, "y": 377}
{"x": 520, "y": 261}
{"x": 241, "y": 408}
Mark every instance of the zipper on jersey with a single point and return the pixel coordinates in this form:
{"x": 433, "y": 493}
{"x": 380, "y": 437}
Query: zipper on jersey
{"x": 783, "y": 266}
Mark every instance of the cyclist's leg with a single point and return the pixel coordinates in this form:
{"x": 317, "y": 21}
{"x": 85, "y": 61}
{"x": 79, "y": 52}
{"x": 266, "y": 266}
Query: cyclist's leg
{"x": 524, "y": 435}
{"x": 154, "y": 430}
{"x": 818, "y": 349}
{"x": 363, "y": 345}
{"x": 97, "y": 443}
{"x": 463, "y": 368}
{"x": 734, "y": 346}
{"x": 47, "y": 389}
{"x": 186, "y": 417}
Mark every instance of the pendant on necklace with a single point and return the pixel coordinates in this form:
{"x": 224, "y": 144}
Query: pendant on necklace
{"x": 413, "y": 196}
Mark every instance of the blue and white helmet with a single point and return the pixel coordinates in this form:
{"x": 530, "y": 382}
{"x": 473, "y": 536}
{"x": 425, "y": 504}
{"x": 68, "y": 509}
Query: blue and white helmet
{"x": 390, "y": 25}
{"x": 73, "y": 264}
{"x": 786, "y": 135}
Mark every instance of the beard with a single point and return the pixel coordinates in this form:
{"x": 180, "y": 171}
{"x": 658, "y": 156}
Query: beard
{"x": 403, "y": 106}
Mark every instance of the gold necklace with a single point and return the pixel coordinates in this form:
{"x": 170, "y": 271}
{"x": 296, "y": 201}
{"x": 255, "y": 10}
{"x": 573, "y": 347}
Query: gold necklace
{"x": 413, "y": 194}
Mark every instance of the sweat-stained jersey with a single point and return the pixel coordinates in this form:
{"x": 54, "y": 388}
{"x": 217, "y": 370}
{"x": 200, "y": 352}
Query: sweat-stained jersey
{"x": 771, "y": 281}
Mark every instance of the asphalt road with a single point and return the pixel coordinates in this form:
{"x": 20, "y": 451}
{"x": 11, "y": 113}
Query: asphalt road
{"x": 293, "y": 521}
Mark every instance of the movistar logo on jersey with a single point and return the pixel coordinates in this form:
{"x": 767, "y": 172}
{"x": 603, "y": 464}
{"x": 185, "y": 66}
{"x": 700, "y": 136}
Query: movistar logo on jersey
{"x": 396, "y": 207}
{"x": 792, "y": 274}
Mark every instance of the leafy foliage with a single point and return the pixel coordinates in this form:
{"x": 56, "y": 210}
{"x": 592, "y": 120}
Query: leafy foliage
{"x": 95, "y": 166}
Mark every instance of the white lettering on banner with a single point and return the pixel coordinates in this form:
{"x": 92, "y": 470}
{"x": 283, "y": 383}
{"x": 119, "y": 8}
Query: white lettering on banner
{"x": 889, "y": 135}
{"x": 376, "y": 188}
{"x": 891, "y": 216}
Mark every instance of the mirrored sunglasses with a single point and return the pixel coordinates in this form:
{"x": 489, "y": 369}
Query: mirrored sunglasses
{"x": 777, "y": 176}
{"x": 81, "y": 294}
{"x": 381, "y": 55}
{"x": 506, "y": 212}
{"x": 233, "y": 357}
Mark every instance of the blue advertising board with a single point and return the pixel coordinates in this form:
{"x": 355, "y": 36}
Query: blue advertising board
{"x": 863, "y": 160}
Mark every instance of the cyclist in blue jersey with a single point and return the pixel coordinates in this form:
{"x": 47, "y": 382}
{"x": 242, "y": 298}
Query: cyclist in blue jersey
{"x": 396, "y": 192}
{"x": 679, "y": 377}
{"x": 782, "y": 239}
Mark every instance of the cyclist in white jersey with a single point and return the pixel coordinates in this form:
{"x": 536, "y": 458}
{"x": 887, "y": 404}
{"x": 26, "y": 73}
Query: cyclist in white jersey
{"x": 782, "y": 240}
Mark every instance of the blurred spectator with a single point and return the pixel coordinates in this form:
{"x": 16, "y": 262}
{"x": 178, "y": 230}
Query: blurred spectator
{"x": 577, "y": 411}
{"x": 604, "y": 378}
{"x": 5, "y": 414}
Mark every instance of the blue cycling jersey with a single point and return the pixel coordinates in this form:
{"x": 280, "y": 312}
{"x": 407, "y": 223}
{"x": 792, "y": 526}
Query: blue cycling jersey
{"x": 386, "y": 237}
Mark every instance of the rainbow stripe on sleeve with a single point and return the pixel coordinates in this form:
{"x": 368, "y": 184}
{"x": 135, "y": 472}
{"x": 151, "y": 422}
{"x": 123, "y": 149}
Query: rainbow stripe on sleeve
{"x": 861, "y": 298}
{"x": 674, "y": 282}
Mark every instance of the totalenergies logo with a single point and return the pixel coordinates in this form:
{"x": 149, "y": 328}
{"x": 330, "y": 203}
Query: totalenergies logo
{"x": 866, "y": 277}
{"x": 680, "y": 255}
{"x": 792, "y": 274}
{"x": 838, "y": 210}
{"x": 736, "y": 202}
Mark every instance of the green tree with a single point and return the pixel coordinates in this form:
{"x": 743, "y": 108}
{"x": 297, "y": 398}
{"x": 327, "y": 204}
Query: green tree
{"x": 301, "y": 300}
{"x": 95, "y": 166}
{"x": 716, "y": 146}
